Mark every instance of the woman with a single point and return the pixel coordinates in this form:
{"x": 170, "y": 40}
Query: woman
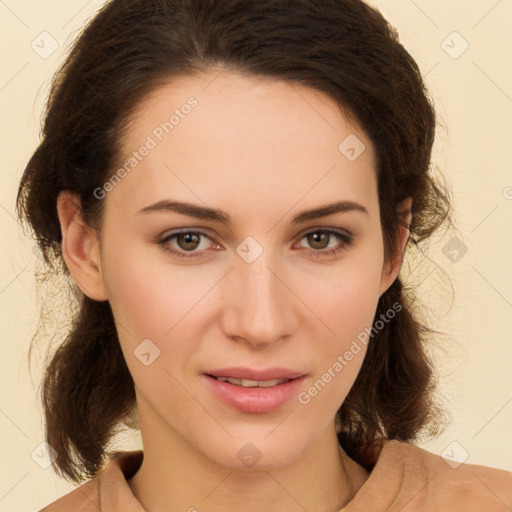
{"x": 231, "y": 188}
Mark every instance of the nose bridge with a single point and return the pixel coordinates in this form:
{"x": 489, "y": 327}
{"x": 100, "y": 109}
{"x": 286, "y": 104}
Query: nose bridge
{"x": 260, "y": 307}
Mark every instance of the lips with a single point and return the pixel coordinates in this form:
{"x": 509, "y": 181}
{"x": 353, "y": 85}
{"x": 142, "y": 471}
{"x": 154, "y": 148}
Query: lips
{"x": 254, "y": 391}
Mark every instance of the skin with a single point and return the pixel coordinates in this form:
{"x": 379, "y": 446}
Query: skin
{"x": 262, "y": 150}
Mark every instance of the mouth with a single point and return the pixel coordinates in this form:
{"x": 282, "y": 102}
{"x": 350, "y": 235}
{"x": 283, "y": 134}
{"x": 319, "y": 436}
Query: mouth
{"x": 254, "y": 391}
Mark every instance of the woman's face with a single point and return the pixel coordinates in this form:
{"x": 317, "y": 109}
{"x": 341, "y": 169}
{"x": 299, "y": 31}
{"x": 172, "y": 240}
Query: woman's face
{"x": 267, "y": 294}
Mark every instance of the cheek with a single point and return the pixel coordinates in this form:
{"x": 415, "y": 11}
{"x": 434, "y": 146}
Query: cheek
{"x": 150, "y": 297}
{"x": 350, "y": 317}
{"x": 336, "y": 360}
{"x": 152, "y": 302}
{"x": 345, "y": 303}
{"x": 344, "y": 299}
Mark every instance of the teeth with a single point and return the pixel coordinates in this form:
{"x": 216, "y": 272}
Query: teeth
{"x": 246, "y": 383}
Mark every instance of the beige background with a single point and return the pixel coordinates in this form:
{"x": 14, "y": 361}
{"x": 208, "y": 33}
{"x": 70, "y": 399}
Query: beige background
{"x": 473, "y": 95}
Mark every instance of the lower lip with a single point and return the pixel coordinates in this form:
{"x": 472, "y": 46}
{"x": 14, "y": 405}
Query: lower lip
{"x": 256, "y": 400}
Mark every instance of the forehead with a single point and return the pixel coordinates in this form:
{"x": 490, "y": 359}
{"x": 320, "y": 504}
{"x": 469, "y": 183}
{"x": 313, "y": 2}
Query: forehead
{"x": 221, "y": 135}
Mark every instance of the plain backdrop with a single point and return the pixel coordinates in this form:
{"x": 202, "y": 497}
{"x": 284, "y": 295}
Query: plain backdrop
{"x": 464, "y": 51}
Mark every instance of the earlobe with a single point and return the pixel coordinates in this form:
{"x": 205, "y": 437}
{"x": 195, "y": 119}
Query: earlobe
{"x": 80, "y": 247}
{"x": 391, "y": 270}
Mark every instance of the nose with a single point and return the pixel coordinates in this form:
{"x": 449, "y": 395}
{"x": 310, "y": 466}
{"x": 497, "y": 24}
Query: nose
{"x": 260, "y": 308}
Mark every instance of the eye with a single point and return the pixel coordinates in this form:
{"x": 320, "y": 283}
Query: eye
{"x": 321, "y": 241}
{"x": 185, "y": 244}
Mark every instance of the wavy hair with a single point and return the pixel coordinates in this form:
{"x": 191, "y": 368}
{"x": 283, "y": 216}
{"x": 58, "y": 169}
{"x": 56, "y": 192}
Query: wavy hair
{"x": 343, "y": 48}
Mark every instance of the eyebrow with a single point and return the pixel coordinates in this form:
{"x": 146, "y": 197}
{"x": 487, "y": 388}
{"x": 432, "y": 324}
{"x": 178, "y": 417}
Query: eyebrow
{"x": 213, "y": 214}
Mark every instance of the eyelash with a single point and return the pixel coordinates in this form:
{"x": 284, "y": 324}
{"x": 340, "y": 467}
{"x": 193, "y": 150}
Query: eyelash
{"x": 342, "y": 236}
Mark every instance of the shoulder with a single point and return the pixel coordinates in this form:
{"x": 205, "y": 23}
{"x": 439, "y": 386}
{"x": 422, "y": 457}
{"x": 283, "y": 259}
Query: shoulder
{"x": 431, "y": 482}
{"x": 82, "y": 499}
{"x": 107, "y": 491}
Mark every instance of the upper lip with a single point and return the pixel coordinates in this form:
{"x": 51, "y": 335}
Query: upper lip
{"x": 258, "y": 375}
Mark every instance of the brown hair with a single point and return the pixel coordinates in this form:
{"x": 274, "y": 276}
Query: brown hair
{"x": 345, "y": 49}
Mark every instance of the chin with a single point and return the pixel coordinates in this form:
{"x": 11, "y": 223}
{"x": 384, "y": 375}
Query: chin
{"x": 259, "y": 451}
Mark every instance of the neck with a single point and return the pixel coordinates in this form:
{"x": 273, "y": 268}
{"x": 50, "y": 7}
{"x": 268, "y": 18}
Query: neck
{"x": 175, "y": 476}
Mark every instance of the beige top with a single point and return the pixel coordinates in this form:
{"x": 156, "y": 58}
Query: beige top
{"x": 405, "y": 478}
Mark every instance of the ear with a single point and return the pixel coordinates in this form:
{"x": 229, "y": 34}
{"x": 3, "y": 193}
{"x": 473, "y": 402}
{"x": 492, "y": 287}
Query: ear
{"x": 80, "y": 247}
{"x": 391, "y": 269}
